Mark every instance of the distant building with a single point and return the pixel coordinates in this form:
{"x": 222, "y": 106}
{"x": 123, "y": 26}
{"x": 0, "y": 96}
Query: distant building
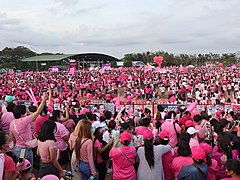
{"x": 64, "y": 61}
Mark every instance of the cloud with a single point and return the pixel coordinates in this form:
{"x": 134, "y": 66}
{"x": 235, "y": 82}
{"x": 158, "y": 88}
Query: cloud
{"x": 119, "y": 27}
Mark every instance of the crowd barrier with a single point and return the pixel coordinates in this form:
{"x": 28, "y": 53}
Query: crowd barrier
{"x": 211, "y": 109}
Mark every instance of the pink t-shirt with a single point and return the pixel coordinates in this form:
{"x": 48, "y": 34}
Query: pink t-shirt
{"x": 23, "y": 126}
{"x": 122, "y": 168}
{"x": 61, "y": 132}
{"x": 193, "y": 142}
{"x": 178, "y": 163}
{"x": 212, "y": 169}
{"x": 6, "y": 119}
{"x": 71, "y": 141}
{"x": 96, "y": 145}
{"x": 69, "y": 124}
{"x": 140, "y": 130}
{"x": 44, "y": 149}
{"x": 169, "y": 126}
{"x": 86, "y": 153}
{"x": 167, "y": 160}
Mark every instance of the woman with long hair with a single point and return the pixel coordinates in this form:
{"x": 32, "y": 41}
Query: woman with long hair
{"x": 71, "y": 141}
{"x": 84, "y": 151}
{"x": 47, "y": 151}
{"x": 150, "y": 167}
{"x": 210, "y": 162}
{"x": 221, "y": 153}
{"x": 61, "y": 136}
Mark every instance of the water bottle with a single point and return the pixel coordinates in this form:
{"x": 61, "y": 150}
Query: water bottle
{"x": 91, "y": 178}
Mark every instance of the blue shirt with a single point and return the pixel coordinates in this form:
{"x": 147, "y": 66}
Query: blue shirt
{"x": 190, "y": 172}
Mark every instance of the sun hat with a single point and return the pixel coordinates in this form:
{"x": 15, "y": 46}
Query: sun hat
{"x": 97, "y": 124}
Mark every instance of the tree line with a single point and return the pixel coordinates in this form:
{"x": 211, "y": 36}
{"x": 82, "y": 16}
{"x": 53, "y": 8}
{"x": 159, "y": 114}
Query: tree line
{"x": 11, "y": 58}
{"x": 170, "y": 59}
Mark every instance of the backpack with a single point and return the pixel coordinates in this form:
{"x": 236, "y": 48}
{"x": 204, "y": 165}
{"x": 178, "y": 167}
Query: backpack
{"x": 105, "y": 154}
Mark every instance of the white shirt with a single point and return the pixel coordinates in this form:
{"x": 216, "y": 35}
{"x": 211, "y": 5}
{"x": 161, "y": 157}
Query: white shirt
{"x": 1, "y": 165}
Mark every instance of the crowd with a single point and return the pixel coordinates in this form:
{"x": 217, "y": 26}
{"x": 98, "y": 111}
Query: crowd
{"x": 58, "y": 133}
{"x": 206, "y": 85}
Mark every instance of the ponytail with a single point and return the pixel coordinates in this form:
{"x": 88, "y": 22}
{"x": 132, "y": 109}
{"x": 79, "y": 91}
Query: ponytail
{"x": 149, "y": 153}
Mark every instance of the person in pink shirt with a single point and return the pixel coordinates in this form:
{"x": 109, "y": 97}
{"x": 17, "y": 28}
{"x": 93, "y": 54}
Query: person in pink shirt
{"x": 172, "y": 127}
{"x": 99, "y": 147}
{"x": 20, "y": 129}
{"x": 61, "y": 135}
{"x": 210, "y": 162}
{"x": 167, "y": 158}
{"x": 144, "y": 122}
{"x": 233, "y": 169}
{"x": 84, "y": 151}
{"x": 44, "y": 115}
{"x": 123, "y": 158}
{"x": 183, "y": 158}
{"x": 193, "y": 138}
{"x": 47, "y": 151}
{"x": 7, "y": 118}
{"x": 236, "y": 148}
{"x": 221, "y": 153}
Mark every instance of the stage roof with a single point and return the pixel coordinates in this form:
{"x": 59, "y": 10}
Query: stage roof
{"x": 78, "y": 57}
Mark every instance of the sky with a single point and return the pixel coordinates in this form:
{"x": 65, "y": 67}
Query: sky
{"x": 118, "y": 27}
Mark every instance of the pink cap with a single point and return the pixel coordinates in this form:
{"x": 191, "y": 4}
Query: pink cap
{"x": 164, "y": 135}
{"x": 198, "y": 153}
{"x": 147, "y": 135}
{"x": 189, "y": 123}
{"x": 182, "y": 121}
{"x": 206, "y": 147}
{"x": 125, "y": 136}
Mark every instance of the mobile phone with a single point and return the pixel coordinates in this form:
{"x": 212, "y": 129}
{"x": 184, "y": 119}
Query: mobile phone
{"x": 22, "y": 155}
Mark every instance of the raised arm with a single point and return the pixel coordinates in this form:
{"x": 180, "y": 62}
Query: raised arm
{"x": 40, "y": 108}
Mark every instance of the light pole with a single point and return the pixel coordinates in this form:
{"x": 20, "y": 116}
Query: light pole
{"x": 36, "y": 58}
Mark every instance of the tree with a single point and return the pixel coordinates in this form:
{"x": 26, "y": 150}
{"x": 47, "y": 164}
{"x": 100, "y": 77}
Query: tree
{"x": 127, "y": 63}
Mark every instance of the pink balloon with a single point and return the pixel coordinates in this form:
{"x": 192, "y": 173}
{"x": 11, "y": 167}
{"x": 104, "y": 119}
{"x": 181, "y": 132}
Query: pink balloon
{"x": 158, "y": 60}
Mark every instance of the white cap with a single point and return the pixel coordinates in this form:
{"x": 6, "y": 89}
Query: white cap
{"x": 192, "y": 130}
{"x": 97, "y": 124}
